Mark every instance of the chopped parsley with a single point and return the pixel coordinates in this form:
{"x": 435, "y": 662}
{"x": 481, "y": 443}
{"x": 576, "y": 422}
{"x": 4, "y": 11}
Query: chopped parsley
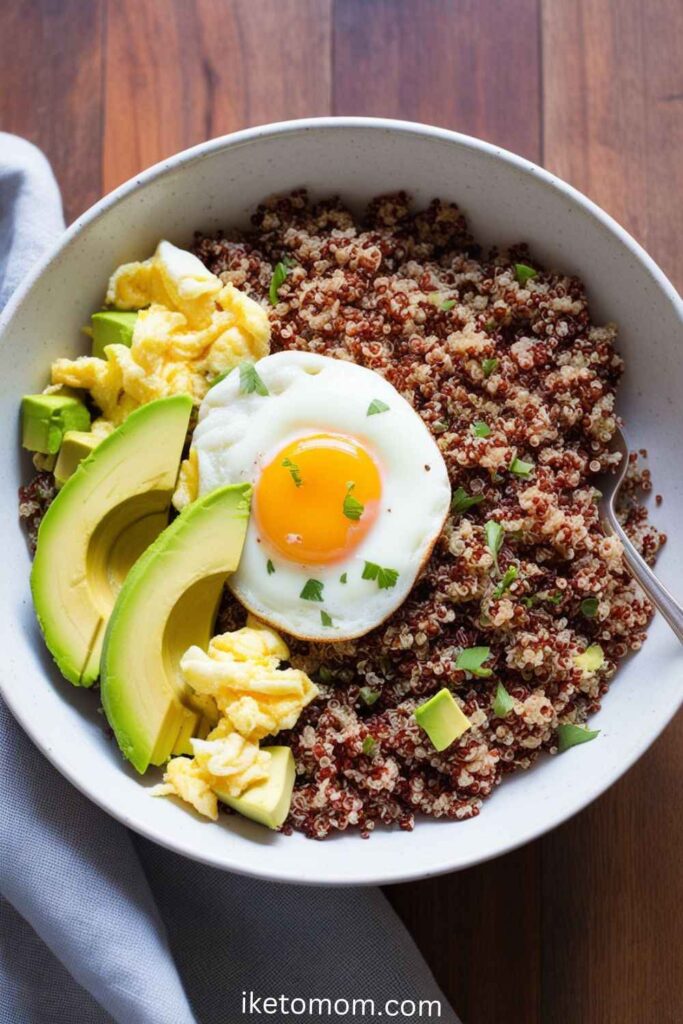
{"x": 343, "y": 578}
{"x": 589, "y": 607}
{"x": 503, "y": 703}
{"x": 369, "y": 746}
{"x": 376, "y": 406}
{"x": 545, "y": 595}
{"x": 250, "y": 380}
{"x": 353, "y": 509}
{"x": 508, "y": 579}
{"x": 270, "y": 567}
{"x": 386, "y": 578}
{"x": 325, "y": 619}
{"x": 524, "y": 273}
{"x": 312, "y": 591}
{"x": 489, "y": 366}
{"x": 521, "y": 468}
{"x": 439, "y": 427}
{"x": 462, "y": 501}
{"x": 495, "y": 535}
{"x": 490, "y": 325}
{"x": 294, "y": 471}
{"x": 472, "y": 660}
{"x": 276, "y": 282}
{"x": 324, "y": 674}
{"x": 480, "y": 429}
{"x": 368, "y": 695}
{"x": 571, "y": 735}
{"x": 447, "y": 304}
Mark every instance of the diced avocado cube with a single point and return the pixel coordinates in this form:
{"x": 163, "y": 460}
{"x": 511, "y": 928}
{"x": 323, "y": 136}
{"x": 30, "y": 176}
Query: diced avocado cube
{"x": 76, "y": 446}
{"x": 442, "y": 719}
{"x": 46, "y": 418}
{"x": 111, "y": 327}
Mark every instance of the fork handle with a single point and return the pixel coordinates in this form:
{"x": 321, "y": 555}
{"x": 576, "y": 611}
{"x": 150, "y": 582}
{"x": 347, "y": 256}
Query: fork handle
{"x": 655, "y": 590}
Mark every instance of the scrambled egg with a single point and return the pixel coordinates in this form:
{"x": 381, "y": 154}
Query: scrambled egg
{"x": 241, "y": 672}
{"x": 194, "y": 328}
{"x": 256, "y": 698}
{"x": 187, "y": 487}
{"x": 223, "y": 759}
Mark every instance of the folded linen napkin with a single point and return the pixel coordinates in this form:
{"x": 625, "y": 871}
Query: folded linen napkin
{"x": 98, "y": 925}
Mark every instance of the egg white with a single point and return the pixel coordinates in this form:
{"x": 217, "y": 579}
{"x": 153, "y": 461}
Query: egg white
{"x": 238, "y": 434}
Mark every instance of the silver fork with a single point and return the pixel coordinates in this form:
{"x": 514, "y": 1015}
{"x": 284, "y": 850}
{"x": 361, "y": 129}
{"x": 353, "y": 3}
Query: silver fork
{"x": 609, "y": 485}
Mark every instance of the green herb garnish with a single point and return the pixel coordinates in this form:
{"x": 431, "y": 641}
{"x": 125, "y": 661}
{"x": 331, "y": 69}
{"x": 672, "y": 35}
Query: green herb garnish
{"x": 324, "y": 674}
{"x": 369, "y": 746}
{"x": 545, "y": 595}
{"x": 376, "y": 406}
{"x": 276, "y": 282}
{"x": 495, "y": 535}
{"x": 325, "y": 618}
{"x": 353, "y": 509}
{"x": 386, "y": 578}
{"x": 447, "y": 304}
{"x": 508, "y": 579}
{"x": 572, "y": 735}
{"x": 488, "y": 366}
{"x": 589, "y": 607}
{"x": 524, "y": 273}
{"x": 462, "y": 501}
{"x": 294, "y": 471}
{"x": 270, "y": 567}
{"x": 313, "y": 590}
{"x": 521, "y": 468}
{"x": 368, "y": 695}
{"x": 220, "y": 377}
{"x": 343, "y": 578}
{"x": 481, "y": 429}
{"x": 439, "y": 427}
{"x": 489, "y": 326}
{"x": 472, "y": 659}
{"x": 503, "y": 703}
{"x": 250, "y": 380}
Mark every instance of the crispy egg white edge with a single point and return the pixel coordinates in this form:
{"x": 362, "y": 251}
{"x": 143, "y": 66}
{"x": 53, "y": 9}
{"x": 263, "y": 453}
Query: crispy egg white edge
{"x": 236, "y": 434}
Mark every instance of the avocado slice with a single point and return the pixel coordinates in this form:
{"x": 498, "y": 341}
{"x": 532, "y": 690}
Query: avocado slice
{"x": 267, "y": 802}
{"x": 76, "y": 446}
{"x": 111, "y": 327}
{"x": 167, "y": 603}
{"x": 46, "y": 418}
{"x": 442, "y": 719}
{"x": 104, "y": 516}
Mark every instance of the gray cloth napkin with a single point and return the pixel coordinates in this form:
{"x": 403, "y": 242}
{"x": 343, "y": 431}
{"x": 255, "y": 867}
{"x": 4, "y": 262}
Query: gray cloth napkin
{"x": 98, "y": 925}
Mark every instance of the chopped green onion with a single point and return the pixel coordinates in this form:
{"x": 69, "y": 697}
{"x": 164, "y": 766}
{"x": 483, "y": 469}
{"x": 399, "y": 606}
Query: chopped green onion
{"x": 325, "y": 618}
{"x": 571, "y": 735}
{"x": 324, "y": 674}
{"x": 592, "y": 659}
{"x": 508, "y": 579}
{"x": 503, "y": 703}
{"x": 276, "y": 282}
{"x": 376, "y": 406}
{"x": 462, "y": 501}
{"x": 447, "y": 304}
{"x": 524, "y": 273}
{"x": 386, "y": 578}
{"x": 589, "y": 607}
{"x": 369, "y": 746}
{"x": 521, "y": 468}
{"x": 250, "y": 380}
{"x": 293, "y": 471}
{"x": 270, "y": 567}
{"x": 343, "y": 578}
{"x": 495, "y": 535}
{"x": 368, "y": 695}
{"x": 352, "y": 508}
{"x": 480, "y": 429}
{"x": 472, "y": 659}
{"x": 312, "y": 590}
{"x": 488, "y": 366}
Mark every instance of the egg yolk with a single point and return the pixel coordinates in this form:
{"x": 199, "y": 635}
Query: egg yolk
{"x": 317, "y": 498}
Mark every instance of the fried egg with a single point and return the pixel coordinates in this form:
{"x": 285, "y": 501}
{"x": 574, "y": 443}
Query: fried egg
{"x": 350, "y": 490}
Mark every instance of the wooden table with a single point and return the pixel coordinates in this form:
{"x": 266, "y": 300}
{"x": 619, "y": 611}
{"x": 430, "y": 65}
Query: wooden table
{"x": 583, "y": 926}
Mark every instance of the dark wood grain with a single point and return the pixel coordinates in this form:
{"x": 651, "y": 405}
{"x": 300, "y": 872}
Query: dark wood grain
{"x": 581, "y": 927}
{"x": 214, "y": 66}
{"x": 51, "y": 87}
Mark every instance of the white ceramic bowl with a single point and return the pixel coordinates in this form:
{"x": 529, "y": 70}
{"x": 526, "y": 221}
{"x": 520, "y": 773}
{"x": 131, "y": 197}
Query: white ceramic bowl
{"x": 506, "y": 199}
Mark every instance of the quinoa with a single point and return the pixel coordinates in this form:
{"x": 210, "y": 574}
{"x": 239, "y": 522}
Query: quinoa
{"x": 465, "y": 339}
{"x": 412, "y": 297}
